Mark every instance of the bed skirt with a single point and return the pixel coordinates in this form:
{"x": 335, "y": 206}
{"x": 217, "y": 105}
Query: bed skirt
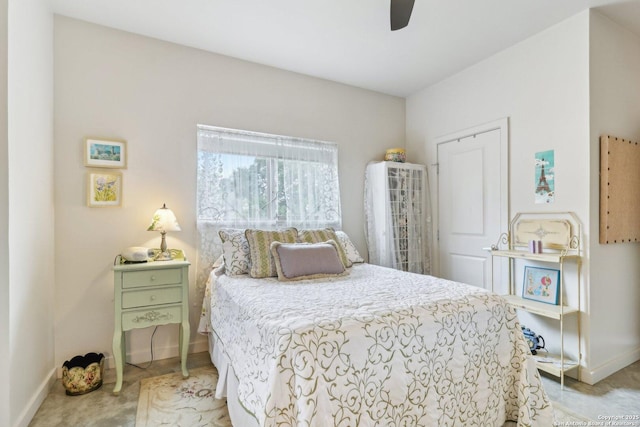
{"x": 227, "y": 386}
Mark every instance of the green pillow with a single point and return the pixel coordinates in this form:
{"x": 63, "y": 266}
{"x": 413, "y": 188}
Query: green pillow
{"x": 262, "y": 263}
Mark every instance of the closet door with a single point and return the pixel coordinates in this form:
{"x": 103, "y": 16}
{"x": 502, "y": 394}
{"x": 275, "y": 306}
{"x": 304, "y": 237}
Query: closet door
{"x": 470, "y": 206}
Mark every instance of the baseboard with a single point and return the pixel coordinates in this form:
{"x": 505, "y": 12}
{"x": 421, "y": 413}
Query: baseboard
{"x": 38, "y": 397}
{"x": 159, "y": 353}
{"x": 199, "y": 346}
{"x": 611, "y": 366}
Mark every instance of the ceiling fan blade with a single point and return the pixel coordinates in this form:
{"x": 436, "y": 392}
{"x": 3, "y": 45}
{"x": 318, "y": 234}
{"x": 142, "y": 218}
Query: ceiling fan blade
{"x": 400, "y": 13}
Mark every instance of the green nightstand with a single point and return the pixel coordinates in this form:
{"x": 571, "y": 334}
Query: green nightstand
{"x": 150, "y": 294}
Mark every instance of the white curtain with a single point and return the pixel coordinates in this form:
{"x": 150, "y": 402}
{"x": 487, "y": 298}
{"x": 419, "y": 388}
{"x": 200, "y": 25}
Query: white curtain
{"x": 398, "y": 218}
{"x": 255, "y": 180}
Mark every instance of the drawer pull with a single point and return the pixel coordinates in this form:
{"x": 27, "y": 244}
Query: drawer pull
{"x": 153, "y": 297}
{"x": 153, "y": 278}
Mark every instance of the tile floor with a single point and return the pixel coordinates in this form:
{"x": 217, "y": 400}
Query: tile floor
{"x": 100, "y": 408}
{"x": 616, "y": 395}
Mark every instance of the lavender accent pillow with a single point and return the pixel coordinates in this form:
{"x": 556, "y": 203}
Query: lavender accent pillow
{"x": 297, "y": 261}
{"x": 323, "y": 235}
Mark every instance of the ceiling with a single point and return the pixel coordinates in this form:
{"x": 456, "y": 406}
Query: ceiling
{"x": 347, "y": 41}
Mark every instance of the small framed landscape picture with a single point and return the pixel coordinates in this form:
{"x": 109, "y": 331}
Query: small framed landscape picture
{"x": 105, "y": 153}
{"x": 104, "y": 189}
{"x": 541, "y": 284}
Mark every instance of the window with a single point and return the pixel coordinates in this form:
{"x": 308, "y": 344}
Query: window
{"x": 255, "y": 180}
{"x": 248, "y": 179}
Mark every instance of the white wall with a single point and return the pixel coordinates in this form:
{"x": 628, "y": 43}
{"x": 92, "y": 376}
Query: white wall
{"x": 151, "y": 93}
{"x": 615, "y": 270}
{"x": 542, "y": 86}
{"x": 5, "y": 354}
{"x": 30, "y": 206}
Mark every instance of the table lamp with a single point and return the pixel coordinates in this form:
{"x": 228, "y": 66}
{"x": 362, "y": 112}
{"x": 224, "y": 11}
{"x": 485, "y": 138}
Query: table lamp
{"x": 164, "y": 220}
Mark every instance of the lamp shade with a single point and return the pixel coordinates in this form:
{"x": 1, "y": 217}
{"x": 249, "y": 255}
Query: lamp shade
{"x": 164, "y": 220}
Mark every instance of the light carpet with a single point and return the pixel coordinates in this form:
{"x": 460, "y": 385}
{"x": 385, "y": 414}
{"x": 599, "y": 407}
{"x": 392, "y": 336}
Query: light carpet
{"x": 170, "y": 400}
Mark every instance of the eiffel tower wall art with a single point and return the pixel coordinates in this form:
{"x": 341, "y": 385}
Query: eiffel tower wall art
{"x": 545, "y": 174}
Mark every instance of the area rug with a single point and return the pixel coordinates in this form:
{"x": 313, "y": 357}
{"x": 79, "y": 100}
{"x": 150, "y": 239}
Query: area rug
{"x": 565, "y": 417}
{"x": 170, "y": 400}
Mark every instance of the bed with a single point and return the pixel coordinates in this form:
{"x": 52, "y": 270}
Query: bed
{"x": 370, "y": 347}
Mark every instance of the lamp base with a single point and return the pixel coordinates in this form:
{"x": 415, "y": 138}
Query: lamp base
{"x": 164, "y": 254}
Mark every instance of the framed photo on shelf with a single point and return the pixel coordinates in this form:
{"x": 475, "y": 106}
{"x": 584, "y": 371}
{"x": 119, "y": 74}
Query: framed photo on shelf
{"x": 104, "y": 189}
{"x": 105, "y": 153}
{"x": 541, "y": 284}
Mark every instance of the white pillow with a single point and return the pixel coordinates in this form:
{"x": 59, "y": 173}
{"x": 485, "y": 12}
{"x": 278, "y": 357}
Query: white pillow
{"x": 352, "y": 253}
{"x": 235, "y": 250}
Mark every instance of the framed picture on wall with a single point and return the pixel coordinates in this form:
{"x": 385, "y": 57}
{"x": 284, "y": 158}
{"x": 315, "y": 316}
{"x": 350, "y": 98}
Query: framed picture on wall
{"x": 105, "y": 153}
{"x": 104, "y": 189}
{"x": 541, "y": 284}
{"x": 545, "y": 177}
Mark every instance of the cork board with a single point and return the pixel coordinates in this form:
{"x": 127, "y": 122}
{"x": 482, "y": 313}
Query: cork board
{"x": 619, "y": 190}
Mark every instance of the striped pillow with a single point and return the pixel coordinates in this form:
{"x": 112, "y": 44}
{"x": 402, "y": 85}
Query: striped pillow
{"x": 322, "y": 235}
{"x": 262, "y": 263}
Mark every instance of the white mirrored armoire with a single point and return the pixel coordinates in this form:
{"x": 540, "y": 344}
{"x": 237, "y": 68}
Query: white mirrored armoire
{"x": 397, "y": 216}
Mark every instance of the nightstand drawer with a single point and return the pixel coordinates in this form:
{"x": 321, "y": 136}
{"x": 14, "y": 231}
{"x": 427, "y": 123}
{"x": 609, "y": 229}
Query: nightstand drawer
{"x": 151, "y": 317}
{"x": 154, "y": 296}
{"x": 134, "y": 279}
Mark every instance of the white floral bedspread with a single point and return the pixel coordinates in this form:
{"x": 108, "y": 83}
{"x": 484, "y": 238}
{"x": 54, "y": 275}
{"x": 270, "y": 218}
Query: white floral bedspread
{"x": 379, "y": 347}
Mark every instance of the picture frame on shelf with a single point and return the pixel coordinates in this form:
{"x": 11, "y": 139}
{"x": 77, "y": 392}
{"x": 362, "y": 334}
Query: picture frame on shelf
{"x": 105, "y": 153}
{"x": 541, "y": 284}
{"x": 104, "y": 189}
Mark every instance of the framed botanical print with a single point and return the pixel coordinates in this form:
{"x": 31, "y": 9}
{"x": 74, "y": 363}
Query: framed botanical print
{"x": 104, "y": 189}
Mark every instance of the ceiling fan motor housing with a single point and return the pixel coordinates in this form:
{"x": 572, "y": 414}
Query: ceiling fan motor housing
{"x": 400, "y": 13}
